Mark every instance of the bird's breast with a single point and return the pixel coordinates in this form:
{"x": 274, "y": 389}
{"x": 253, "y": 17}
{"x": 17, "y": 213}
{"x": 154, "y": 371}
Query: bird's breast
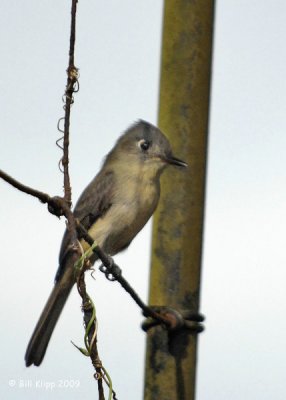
{"x": 133, "y": 204}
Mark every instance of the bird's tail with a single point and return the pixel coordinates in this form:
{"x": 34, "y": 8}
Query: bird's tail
{"x": 41, "y": 336}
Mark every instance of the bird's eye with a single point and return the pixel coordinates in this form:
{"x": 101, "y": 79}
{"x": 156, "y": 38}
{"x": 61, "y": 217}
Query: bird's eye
{"x": 144, "y": 144}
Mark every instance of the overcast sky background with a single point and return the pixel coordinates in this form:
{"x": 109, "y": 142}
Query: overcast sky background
{"x": 242, "y": 353}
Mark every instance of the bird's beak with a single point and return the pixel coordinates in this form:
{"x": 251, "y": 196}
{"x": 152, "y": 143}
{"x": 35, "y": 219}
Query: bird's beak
{"x": 175, "y": 161}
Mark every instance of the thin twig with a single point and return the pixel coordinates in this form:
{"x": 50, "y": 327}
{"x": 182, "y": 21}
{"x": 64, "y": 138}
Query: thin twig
{"x": 43, "y": 197}
{"x": 56, "y": 205}
{"x": 86, "y": 303}
{"x": 87, "y": 309}
{"x": 70, "y": 88}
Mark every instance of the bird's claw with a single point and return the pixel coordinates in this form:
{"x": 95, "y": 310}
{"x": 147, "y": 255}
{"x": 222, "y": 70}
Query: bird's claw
{"x": 111, "y": 270}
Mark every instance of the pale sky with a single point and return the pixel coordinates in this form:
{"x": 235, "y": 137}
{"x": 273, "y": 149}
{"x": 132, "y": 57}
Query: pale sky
{"x": 242, "y": 353}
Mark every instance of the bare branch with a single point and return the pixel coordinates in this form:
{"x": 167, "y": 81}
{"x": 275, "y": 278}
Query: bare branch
{"x": 87, "y": 308}
{"x": 43, "y": 197}
{"x": 56, "y": 205}
{"x": 70, "y": 89}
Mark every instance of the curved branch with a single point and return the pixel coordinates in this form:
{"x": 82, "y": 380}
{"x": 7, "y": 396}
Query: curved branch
{"x": 43, "y": 197}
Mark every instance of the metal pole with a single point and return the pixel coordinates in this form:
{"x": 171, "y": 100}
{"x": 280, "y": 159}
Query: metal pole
{"x": 178, "y": 222}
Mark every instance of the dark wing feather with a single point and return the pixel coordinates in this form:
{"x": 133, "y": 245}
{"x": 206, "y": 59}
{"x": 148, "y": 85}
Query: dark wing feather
{"x": 93, "y": 203}
{"x": 95, "y": 199}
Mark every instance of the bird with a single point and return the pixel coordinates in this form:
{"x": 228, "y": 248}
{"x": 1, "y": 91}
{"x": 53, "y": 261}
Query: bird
{"x": 113, "y": 208}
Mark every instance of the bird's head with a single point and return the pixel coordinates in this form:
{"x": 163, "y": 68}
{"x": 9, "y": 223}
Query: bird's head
{"x": 145, "y": 146}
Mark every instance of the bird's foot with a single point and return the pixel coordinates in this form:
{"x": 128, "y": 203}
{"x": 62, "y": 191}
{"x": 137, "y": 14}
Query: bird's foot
{"x": 111, "y": 270}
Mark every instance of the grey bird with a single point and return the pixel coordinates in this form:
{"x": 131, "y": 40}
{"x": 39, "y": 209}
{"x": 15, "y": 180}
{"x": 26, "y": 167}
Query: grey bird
{"x": 113, "y": 208}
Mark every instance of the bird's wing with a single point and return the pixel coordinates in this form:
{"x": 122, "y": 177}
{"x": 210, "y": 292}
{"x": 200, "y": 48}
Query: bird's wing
{"x": 94, "y": 202}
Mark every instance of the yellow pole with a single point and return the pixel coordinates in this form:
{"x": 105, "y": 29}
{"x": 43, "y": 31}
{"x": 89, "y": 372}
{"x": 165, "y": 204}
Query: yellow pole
{"x": 178, "y": 222}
